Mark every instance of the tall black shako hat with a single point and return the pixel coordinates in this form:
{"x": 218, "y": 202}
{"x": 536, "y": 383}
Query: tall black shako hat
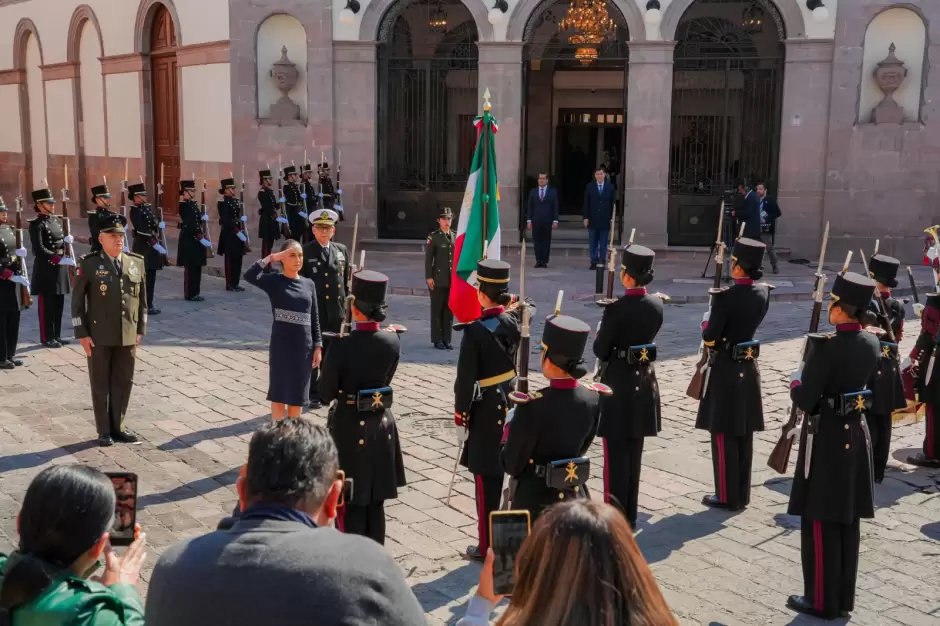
{"x": 853, "y": 290}
{"x": 101, "y": 191}
{"x": 187, "y": 185}
{"x": 112, "y": 223}
{"x": 637, "y": 260}
{"x": 563, "y": 342}
{"x": 226, "y": 183}
{"x": 369, "y": 289}
{"x": 884, "y": 269}
{"x": 290, "y": 169}
{"x": 43, "y": 195}
{"x": 262, "y": 174}
{"x": 137, "y": 189}
{"x": 748, "y": 253}
{"x": 493, "y": 272}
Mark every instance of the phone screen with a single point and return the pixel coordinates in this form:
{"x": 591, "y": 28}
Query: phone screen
{"x": 508, "y": 529}
{"x": 125, "y": 509}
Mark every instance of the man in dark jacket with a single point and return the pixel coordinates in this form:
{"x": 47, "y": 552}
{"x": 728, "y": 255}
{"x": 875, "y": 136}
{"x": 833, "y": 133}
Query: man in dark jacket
{"x": 598, "y": 207}
{"x": 769, "y": 213}
{"x": 749, "y": 211}
{"x": 282, "y": 562}
{"x": 542, "y": 218}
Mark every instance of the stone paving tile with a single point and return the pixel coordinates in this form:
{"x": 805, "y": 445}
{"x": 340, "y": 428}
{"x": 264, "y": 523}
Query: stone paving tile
{"x": 200, "y": 393}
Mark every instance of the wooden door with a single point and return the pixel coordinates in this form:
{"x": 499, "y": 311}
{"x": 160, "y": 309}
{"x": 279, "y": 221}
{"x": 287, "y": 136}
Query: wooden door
{"x": 166, "y": 118}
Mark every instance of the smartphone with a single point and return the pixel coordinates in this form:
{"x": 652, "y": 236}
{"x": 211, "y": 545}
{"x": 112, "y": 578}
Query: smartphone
{"x": 125, "y": 508}
{"x": 508, "y": 529}
{"x": 347, "y": 495}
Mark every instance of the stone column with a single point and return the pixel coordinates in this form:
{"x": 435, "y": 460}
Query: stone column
{"x": 646, "y": 155}
{"x": 354, "y": 88}
{"x": 501, "y": 73}
{"x": 804, "y": 134}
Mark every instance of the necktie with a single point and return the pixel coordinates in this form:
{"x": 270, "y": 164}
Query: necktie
{"x": 117, "y": 264}
{"x": 541, "y": 193}
{"x": 600, "y": 189}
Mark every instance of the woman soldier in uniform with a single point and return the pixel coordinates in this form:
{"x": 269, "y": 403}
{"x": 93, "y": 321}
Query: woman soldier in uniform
{"x": 50, "y": 276}
{"x": 832, "y": 485}
{"x": 887, "y": 386}
{"x": 485, "y": 370}
{"x": 551, "y": 431}
{"x": 731, "y": 408}
{"x": 625, "y": 344}
{"x": 357, "y": 372}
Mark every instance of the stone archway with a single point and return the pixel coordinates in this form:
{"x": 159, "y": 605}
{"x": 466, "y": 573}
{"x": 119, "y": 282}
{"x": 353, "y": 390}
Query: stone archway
{"x": 375, "y": 11}
{"x": 25, "y": 29}
{"x": 524, "y": 9}
{"x": 790, "y": 12}
{"x": 84, "y": 16}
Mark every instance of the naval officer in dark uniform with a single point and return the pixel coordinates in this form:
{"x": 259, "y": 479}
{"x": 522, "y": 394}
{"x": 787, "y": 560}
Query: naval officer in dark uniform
{"x": 101, "y": 198}
{"x": 49, "y": 280}
{"x": 231, "y": 245}
{"x": 269, "y": 230}
{"x": 549, "y": 433}
{"x": 327, "y": 264}
{"x": 295, "y": 204}
{"x": 357, "y": 373}
{"x": 11, "y": 281}
{"x": 833, "y": 483}
{"x": 438, "y": 263}
{"x": 731, "y": 408}
{"x": 192, "y": 248}
{"x": 625, "y": 344}
{"x": 109, "y": 314}
{"x": 147, "y": 227}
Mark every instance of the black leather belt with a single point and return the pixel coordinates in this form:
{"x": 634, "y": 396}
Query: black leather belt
{"x": 889, "y": 350}
{"x": 366, "y": 400}
{"x": 744, "y": 351}
{"x": 566, "y": 473}
{"x": 850, "y": 404}
{"x": 636, "y": 355}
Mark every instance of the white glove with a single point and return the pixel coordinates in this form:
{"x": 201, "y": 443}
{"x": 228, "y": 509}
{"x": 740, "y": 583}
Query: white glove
{"x": 796, "y": 376}
{"x": 205, "y": 242}
{"x": 282, "y": 199}
{"x": 462, "y": 435}
{"x": 302, "y": 214}
{"x": 795, "y": 431}
{"x": 68, "y": 239}
{"x": 931, "y": 253}
{"x": 20, "y": 280}
{"x": 320, "y": 194}
{"x": 338, "y": 208}
{"x": 67, "y": 260}
{"x": 205, "y": 217}
{"x": 339, "y": 192}
{"x": 918, "y": 309}
{"x": 244, "y": 218}
{"x": 706, "y": 315}
{"x": 241, "y": 236}
{"x": 906, "y": 363}
{"x": 303, "y": 196}
{"x": 281, "y": 220}
{"x": 21, "y": 252}
{"x": 159, "y": 248}
{"x": 161, "y": 225}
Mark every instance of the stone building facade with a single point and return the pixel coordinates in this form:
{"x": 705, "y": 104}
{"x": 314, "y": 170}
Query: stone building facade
{"x": 830, "y": 103}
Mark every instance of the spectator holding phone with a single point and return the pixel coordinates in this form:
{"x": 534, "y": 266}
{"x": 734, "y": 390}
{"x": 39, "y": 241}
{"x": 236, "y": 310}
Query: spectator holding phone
{"x": 63, "y": 528}
{"x": 579, "y": 567}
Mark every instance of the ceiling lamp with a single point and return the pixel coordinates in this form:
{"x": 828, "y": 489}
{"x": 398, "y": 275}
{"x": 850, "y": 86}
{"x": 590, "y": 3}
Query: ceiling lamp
{"x": 586, "y": 55}
{"x": 348, "y": 14}
{"x": 588, "y": 25}
{"x": 752, "y": 19}
{"x": 437, "y": 21}
{"x": 654, "y": 15}
{"x": 820, "y": 12}
{"x": 495, "y": 16}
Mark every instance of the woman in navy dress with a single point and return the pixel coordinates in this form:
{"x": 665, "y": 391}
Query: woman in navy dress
{"x": 296, "y": 345}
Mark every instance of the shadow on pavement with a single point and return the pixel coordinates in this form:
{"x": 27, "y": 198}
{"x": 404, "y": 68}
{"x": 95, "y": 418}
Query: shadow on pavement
{"x": 192, "y": 489}
{"x": 29, "y": 460}
{"x": 232, "y": 430}
{"x": 668, "y": 535}
{"x": 453, "y": 585}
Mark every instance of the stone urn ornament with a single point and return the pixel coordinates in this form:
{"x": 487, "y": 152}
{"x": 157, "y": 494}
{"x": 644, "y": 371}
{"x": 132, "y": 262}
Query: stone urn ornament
{"x": 889, "y": 75}
{"x": 285, "y": 75}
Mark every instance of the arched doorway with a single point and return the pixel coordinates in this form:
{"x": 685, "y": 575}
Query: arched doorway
{"x": 727, "y": 92}
{"x": 165, "y": 107}
{"x": 575, "y": 61}
{"x": 427, "y": 100}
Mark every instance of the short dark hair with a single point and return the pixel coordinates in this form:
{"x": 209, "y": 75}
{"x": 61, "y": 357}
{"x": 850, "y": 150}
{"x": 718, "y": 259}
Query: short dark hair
{"x": 741, "y": 182}
{"x": 761, "y": 183}
{"x": 600, "y": 168}
{"x": 290, "y": 462}
{"x": 545, "y": 174}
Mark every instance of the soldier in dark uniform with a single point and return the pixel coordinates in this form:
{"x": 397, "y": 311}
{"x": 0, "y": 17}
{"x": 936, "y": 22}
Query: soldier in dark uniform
{"x": 311, "y": 201}
{"x": 231, "y": 245}
{"x": 269, "y": 230}
{"x": 295, "y": 204}
{"x": 357, "y": 373}
{"x": 50, "y": 276}
{"x": 191, "y": 253}
{"x": 887, "y": 386}
{"x": 548, "y": 435}
{"x": 832, "y": 487}
{"x": 11, "y": 281}
{"x": 109, "y": 314}
{"x": 326, "y": 263}
{"x": 926, "y": 381}
{"x": 731, "y": 408}
{"x": 438, "y": 263}
{"x": 101, "y": 197}
{"x": 486, "y": 368}
{"x": 147, "y": 227}
{"x": 327, "y": 194}
{"x": 625, "y": 345}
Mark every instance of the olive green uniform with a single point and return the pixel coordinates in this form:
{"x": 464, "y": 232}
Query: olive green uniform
{"x": 110, "y": 306}
{"x": 438, "y": 261}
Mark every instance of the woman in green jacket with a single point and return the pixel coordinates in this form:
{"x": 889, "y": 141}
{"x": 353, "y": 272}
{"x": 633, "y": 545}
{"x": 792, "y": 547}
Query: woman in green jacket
{"x": 63, "y": 528}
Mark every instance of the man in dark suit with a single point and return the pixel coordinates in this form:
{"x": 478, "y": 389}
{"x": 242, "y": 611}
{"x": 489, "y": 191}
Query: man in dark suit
{"x": 748, "y": 212}
{"x": 282, "y": 562}
{"x": 542, "y": 217}
{"x": 769, "y": 213}
{"x": 598, "y": 207}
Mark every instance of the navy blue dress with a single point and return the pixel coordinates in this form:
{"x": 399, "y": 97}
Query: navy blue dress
{"x": 295, "y": 333}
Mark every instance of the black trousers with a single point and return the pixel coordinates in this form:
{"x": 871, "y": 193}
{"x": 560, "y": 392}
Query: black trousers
{"x": 233, "y": 270}
{"x": 829, "y": 552}
{"x": 542, "y": 241}
{"x": 315, "y": 372}
{"x": 111, "y": 371}
{"x": 192, "y": 281}
{"x": 9, "y": 334}
{"x": 151, "y": 287}
{"x": 931, "y": 434}
{"x": 880, "y": 428}
{"x": 731, "y": 460}
{"x": 50, "y": 316}
{"x": 368, "y": 520}
{"x": 489, "y": 492}
{"x": 622, "y": 463}
{"x": 442, "y": 320}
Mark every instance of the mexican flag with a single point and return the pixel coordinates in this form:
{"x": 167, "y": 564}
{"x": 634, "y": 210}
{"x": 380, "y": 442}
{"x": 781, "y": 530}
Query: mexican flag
{"x": 478, "y": 228}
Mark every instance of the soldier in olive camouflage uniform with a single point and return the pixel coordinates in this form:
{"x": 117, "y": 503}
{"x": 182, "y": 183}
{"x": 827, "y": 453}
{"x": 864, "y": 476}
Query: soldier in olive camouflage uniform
{"x": 438, "y": 261}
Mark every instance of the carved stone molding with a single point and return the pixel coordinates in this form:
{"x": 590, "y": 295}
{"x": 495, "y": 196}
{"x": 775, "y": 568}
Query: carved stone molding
{"x": 203, "y": 53}
{"x": 13, "y": 77}
{"x": 285, "y": 75}
{"x": 60, "y": 71}
{"x": 122, "y": 63}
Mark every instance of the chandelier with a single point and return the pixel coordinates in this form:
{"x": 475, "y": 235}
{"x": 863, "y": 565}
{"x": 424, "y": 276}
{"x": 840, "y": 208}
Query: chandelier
{"x": 752, "y": 19}
{"x": 589, "y": 25}
{"x": 437, "y": 20}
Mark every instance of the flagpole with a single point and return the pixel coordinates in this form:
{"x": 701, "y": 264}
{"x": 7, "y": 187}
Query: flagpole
{"x": 486, "y": 162}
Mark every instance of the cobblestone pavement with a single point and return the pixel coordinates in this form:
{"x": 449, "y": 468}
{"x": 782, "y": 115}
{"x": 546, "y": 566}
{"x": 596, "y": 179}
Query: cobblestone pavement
{"x": 200, "y": 392}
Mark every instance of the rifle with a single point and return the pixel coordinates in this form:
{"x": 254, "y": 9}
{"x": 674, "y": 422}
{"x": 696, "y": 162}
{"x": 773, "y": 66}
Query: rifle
{"x": 282, "y": 202}
{"x": 883, "y": 310}
{"x": 124, "y": 205}
{"x": 241, "y": 213}
{"x": 353, "y": 269}
{"x": 612, "y": 264}
{"x": 338, "y": 202}
{"x": 521, "y": 394}
{"x": 780, "y": 456}
{"x": 207, "y": 234}
{"x": 25, "y": 298}
{"x": 910, "y": 278}
{"x": 67, "y": 228}
{"x": 697, "y": 384}
{"x": 162, "y": 226}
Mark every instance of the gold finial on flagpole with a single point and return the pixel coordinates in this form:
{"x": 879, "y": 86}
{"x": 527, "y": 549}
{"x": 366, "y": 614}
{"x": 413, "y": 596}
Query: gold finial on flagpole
{"x": 486, "y": 99}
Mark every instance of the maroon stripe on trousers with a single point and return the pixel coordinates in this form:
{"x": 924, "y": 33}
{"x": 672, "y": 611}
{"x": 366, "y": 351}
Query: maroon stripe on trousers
{"x": 481, "y": 515}
{"x": 42, "y": 319}
{"x": 722, "y": 468}
{"x": 606, "y": 473}
{"x": 341, "y": 518}
{"x": 819, "y": 600}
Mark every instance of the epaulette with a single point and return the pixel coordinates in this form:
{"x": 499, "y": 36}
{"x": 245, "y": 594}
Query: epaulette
{"x": 715, "y": 291}
{"x": 87, "y": 256}
{"x": 599, "y": 388}
{"x": 661, "y": 296}
{"x": 517, "y": 397}
{"x": 134, "y": 255}
{"x": 768, "y": 285}
{"x": 395, "y": 328}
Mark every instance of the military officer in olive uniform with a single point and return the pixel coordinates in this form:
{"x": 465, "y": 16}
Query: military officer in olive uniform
{"x": 269, "y": 230}
{"x": 147, "y": 227}
{"x": 50, "y": 275}
{"x": 549, "y": 433}
{"x": 295, "y": 203}
{"x": 231, "y": 239}
{"x": 191, "y": 253}
{"x": 109, "y": 314}
{"x": 326, "y": 263}
{"x": 101, "y": 197}
{"x": 11, "y": 281}
{"x": 833, "y": 482}
{"x": 438, "y": 262}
